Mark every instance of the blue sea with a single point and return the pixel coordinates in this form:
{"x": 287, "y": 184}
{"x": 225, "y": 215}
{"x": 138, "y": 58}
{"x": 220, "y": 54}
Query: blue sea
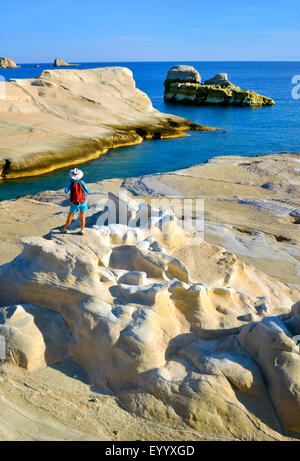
{"x": 248, "y": 131}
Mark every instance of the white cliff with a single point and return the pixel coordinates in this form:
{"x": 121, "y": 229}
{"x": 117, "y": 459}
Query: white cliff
{"x": 69, "y": 115}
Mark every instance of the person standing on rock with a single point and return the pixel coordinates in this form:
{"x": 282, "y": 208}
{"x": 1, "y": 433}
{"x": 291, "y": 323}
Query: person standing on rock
{"x": 78, "y": 190}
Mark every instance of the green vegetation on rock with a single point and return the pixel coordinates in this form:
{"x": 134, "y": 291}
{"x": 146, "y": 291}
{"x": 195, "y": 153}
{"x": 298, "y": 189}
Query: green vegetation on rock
{"x": 182, "y": 85}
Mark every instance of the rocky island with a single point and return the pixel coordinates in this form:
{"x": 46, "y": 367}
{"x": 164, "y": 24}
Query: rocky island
{"x": 193, "y": 339}
{"x": 7, "y": 63}
{"x": 61, "y": 63}
{"x": 183, "y": 85}
{"x": 74, "y": 115}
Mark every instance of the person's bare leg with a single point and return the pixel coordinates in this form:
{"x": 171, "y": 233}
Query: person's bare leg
{"x": 82, "y": 220}
{"x": 69, "y": 220}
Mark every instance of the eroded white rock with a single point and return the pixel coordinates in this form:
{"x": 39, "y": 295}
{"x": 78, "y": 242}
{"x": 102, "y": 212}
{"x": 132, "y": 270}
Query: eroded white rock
{"x": 174, "y": 349}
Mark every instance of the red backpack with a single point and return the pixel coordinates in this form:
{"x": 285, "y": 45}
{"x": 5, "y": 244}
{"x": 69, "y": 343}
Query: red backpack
{"x": 77, "y": 192}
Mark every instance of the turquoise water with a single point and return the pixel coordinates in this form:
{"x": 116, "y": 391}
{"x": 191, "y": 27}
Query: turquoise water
{"x": 249, "y": 131}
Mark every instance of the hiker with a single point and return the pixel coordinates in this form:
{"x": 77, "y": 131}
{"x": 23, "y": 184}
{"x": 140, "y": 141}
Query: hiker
{"x": 78, "y": 190}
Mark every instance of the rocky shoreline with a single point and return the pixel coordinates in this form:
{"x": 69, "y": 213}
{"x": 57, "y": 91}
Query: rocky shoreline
{"x": 192, "y": 337}
{"x": 158, "y": 321}
{"x": 69, "y": 115}
{"x": 252, "y": 208}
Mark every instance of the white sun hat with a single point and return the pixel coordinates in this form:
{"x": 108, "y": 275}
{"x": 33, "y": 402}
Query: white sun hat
{"x": 76, "y": 174}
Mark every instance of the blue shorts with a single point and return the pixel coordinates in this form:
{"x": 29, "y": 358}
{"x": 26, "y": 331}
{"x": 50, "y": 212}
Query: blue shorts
{"x": 82, "y": 207}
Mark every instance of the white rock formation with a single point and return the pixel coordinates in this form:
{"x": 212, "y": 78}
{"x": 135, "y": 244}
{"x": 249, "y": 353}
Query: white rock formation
{"x": 183, "y": 85}
{"x": 34, "y": 337}
{"x": 183, "y": 73}
{"x": 7, "y": 63}
{"x": 61, "y": 63}
{"x": 214, "y": 354}
{"x": 219, "y": 79}
{"x": 74, "y": 115}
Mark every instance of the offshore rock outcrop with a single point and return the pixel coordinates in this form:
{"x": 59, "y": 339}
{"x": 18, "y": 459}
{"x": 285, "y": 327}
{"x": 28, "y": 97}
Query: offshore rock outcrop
{"x": 216, "y": 353}
{"x": 219, "y": 79}
{"x": 68, "y": 116}
{"x": 7, "y": 63}
{"x": 182, "y": 74}
{"x": 183, "y": 85}
{"x": 61, "y": 63}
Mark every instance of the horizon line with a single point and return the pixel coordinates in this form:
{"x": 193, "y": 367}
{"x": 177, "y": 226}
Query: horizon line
{"x": 183, "y": 60}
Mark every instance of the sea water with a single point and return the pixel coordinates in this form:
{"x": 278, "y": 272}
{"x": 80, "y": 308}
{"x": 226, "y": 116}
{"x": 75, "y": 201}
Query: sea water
{"x": 247, "y": 131}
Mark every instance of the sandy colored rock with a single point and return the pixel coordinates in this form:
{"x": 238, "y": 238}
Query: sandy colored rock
{"x": 74, "y": 115}
{"x": 61, "y": 63}
{"x": 271, "y": 345}
{"x": 184, "y": 87}
{"x": 34, "y": 339}
{"x": 7, "y": 63}
{"x": 251, "y": 207}
{"x": 191, "y": 335}
{"x": 182, "y": 73}
{"x": 171, "y": 345}
{"x": 219, "y": 79}
{"x": 57, "y": 403}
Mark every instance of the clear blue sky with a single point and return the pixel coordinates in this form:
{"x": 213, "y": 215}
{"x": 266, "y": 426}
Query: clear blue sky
{"x": 149, "y": 30}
